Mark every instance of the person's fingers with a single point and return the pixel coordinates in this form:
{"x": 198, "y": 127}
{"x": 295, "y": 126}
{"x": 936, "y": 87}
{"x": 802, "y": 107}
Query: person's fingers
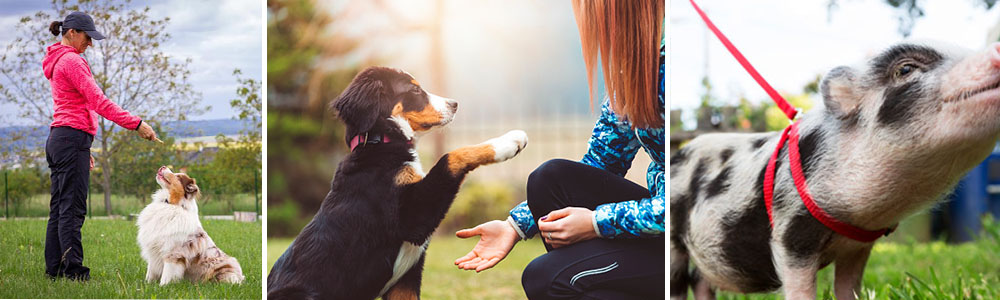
{"x": 488, "y": 264}
{"x": 157, "y": 139}
{"x": 466, "y": 258}
{"x": 469, "y": 265}
{"x": 556, "y": 215}
{"x": 467, "y": 233}
{"x": 547, "y": 226}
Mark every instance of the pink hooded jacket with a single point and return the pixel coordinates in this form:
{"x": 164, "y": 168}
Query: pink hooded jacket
{"x": 76, "y": 98}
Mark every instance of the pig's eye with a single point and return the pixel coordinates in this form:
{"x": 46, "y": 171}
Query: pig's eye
{"x": 905, "y": 69}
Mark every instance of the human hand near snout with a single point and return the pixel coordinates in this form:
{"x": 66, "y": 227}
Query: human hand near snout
{"x": 496, "y": 240}
{"x": 566, "y": 226}
{"x": 146, "y": 132}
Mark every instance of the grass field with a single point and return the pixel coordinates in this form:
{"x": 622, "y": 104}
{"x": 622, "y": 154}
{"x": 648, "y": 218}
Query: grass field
{"x": 208, "y": 204}
{"x": 116, "y": 269}
{"x": 896, "y": 270}
{"x": 442, "y": 280}
{"x": 909, "y": 270}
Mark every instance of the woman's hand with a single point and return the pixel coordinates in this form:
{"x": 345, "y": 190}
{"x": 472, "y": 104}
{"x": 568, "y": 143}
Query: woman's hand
{"x": 496, "y": 239}
{"x": 567, "y": 226}
{"x": 147, "y": 132}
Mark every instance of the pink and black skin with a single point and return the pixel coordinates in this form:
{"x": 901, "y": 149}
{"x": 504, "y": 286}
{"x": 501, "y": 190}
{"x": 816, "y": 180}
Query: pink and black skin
{"x": 369, "y": 236}
{"x": 894, "y": 134}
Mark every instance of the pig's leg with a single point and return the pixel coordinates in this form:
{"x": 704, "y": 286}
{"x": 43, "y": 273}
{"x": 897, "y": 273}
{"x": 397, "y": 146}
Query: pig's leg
{"x": 798, "y": 274}
{"x": 848, "y": 273}
{"x": 680, "y": 277}
{"x": 702, "y": 289}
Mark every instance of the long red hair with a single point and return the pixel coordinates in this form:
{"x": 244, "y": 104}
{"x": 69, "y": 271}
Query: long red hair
{"x": 626, "y": 35}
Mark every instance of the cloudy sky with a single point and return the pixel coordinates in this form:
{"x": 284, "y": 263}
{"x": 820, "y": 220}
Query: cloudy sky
{"x": 791, "y": 42}
{"x": 217, "y": 35}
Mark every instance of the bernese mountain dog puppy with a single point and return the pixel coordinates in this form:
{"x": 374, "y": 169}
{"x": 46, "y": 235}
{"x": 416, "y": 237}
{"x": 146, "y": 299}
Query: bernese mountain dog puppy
{"x": 369, "y": 236}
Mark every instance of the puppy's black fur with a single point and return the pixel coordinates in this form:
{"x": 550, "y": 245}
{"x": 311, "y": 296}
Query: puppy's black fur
{"x": 349, "y": 248}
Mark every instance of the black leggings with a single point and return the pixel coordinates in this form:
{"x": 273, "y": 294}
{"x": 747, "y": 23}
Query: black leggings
{"x": 68, "y": 154}
{"x": 598, "y": 268}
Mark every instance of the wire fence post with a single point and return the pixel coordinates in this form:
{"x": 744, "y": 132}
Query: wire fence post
{"x": 256, "y": 192}
{"x": 6, "y": 197}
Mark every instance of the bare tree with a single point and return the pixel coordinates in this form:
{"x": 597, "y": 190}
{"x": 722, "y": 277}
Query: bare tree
{"x": 129, "y": 66}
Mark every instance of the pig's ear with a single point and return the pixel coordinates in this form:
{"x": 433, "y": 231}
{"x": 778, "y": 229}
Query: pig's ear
{"x": 840, "y": 92}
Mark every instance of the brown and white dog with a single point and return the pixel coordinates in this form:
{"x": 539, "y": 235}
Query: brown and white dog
{"x": 369, "y": 236}
{"x": 172, "y": 240}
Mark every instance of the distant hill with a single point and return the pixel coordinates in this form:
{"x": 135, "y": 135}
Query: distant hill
{"x": 178, "y": 129}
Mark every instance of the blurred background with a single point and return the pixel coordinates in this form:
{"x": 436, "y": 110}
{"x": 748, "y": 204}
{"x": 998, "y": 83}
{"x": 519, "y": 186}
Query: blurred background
{"x": 511, "y": 65}
{"x": 793, "y": 44}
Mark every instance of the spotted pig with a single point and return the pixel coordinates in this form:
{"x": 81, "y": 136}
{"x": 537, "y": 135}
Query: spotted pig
{"x": 892, "y": 136}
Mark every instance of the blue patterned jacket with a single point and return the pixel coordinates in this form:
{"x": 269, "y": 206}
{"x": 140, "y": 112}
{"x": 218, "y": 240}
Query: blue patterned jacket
{"x": 612, "y": 147}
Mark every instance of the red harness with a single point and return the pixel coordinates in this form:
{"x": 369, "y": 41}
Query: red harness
{"x": 791, "y": 133}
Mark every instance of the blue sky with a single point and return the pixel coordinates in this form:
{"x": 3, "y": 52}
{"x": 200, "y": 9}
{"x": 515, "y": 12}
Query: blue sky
{"x": 791, "y": 42}
{"x": 217, "y": 35}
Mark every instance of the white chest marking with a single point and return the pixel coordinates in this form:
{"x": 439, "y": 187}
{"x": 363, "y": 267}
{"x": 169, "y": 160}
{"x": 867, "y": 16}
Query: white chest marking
{"x": 409, "y": 254}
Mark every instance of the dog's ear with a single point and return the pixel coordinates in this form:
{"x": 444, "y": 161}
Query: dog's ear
{"x": 361, "y": 104}
{"x": 191, "y": 187}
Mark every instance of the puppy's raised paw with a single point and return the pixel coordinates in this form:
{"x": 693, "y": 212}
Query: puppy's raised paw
{"x": 508, "y": 145}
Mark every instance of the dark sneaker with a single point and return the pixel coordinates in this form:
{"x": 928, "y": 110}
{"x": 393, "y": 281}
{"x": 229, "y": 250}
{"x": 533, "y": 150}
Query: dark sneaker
{"x": 78, "y": 277}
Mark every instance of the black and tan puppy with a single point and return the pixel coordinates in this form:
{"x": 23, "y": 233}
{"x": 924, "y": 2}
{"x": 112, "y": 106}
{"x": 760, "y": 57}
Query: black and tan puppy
{"x": 369, "y": 236}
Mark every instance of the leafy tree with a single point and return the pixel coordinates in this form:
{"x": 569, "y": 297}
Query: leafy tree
{"x": 236, "y": 167}
{"x": 305, "y": 141}
{"x": 129, "y": 66}
{"x": 136, "y": 163}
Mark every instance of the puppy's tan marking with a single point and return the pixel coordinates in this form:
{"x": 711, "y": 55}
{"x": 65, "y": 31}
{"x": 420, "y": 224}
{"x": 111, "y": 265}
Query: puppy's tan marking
{"x": 466, "y": 159}
{"x": 407, "y": 175}
{"x": 399, "y": 292}
{"x": 424, "y": 119}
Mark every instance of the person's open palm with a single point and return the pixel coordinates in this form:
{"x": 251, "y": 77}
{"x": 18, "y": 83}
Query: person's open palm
{"x": 496, "y": 240}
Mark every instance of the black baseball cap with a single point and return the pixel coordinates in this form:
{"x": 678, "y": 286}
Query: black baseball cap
{"x": 83, "y": 22}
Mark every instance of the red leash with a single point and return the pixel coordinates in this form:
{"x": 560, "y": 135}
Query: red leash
{"x": 790, "y": 134}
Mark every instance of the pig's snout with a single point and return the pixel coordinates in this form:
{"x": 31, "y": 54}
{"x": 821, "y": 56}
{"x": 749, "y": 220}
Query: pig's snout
{"x": 994, "y": 54}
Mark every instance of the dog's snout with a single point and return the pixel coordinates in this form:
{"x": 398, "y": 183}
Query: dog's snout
{"x": 453, "y": 104}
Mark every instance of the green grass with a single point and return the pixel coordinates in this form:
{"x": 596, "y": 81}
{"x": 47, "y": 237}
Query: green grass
{"x": 442, "y": 280}
{"x": 208, "y": 204}
{"x": 116, "y": 268}
{"x": 910, "y": 270}
{"x": 896, "y": 270}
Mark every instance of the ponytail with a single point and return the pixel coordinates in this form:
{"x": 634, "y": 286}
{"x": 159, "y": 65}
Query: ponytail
{"x": 54, "y": 28}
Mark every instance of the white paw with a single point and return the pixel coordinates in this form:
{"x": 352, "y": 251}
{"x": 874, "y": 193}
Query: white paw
{"x": 508, "y": 145}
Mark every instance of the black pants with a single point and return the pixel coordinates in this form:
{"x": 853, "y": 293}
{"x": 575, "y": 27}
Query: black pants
{"x": 598, "y": 268}
{"x": 68, "y": 154}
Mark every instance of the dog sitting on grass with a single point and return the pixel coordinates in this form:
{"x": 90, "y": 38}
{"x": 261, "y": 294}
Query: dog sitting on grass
{"x": 172, "y": 240}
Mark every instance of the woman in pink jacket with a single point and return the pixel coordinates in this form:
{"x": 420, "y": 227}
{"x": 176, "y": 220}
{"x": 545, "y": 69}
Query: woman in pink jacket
{"x": 77, "y": 100}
